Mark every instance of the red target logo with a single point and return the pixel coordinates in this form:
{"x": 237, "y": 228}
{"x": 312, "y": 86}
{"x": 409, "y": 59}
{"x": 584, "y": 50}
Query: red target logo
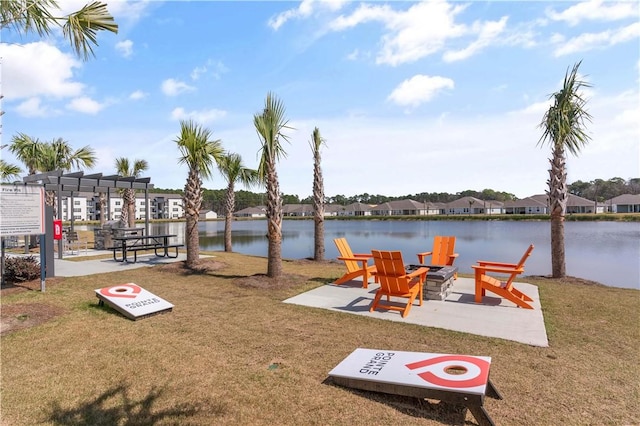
{"x": 453, "y": 371}
{"x": 130, "y": 291}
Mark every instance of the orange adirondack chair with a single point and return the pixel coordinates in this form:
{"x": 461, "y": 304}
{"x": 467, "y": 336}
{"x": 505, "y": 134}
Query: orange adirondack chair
{"x": 357, "y": 264}
{"x": 504, "y": 289}
{"x": 395, "y": 282}
{"x": 442, "y": 253}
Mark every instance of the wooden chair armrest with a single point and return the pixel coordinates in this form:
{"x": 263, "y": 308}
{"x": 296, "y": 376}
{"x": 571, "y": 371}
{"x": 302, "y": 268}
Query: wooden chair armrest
{"x": 494, "y": 268}
{"x": 364, "y": 260}
{"x": 454, "y": 255}
{"x": 367, "y": 255}
{"x": 426, "y": 253}
{"x": 486, "y": 262}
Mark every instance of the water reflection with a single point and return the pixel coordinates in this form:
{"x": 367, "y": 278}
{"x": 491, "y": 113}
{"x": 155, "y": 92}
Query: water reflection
{"x": 607, "y": 252}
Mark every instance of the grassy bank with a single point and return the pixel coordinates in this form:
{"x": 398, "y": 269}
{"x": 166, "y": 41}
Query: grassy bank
{"x": 232, "y": 353}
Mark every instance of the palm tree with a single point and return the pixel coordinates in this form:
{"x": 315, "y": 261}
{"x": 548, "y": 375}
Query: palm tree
{"x": 58, "y": 155}
{"x": 80, "y": 27}
{"x": 269, "y": 126}
{"x": 28, "y": 150}
{"x": 9, "y": 171}
{"x": 129, "y": 169}
{"x": 232, "y": 169}
{"x": 318, "y": 196}
{"x": 564, "y": 129}
{"x": 199, "y": 152}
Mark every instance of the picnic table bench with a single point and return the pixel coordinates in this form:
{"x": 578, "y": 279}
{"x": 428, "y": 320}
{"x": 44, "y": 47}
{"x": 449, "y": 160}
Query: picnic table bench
{"x": 159, "y": 243}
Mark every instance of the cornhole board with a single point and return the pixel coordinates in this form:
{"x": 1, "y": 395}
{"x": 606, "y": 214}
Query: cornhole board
{"x": 457, "y": 379}
{"x": 132, "y": 301}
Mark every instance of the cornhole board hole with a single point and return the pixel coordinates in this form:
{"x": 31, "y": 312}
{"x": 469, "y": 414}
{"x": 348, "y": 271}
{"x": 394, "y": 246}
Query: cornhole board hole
{"x": 132, "y": 301}
{"x": 456, "y": 379}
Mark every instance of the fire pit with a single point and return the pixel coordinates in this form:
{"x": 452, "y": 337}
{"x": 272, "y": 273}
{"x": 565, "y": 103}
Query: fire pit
{"x": 439, "y": 282}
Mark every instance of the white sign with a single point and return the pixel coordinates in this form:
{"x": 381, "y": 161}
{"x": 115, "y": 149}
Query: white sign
{"x": 21, "y": 210}
{"x": 133, "y": 301}
{"x": 449, "y": 372}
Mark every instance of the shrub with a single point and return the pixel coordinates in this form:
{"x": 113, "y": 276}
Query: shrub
{"x": 20, "y": 269}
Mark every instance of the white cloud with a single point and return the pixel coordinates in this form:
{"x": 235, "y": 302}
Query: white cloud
{"x": 138, "y": 94}
{"x": 203, "y": 116}
{"x": 85, "y": 105}
{"x": 38, "y": 69}
{"x": 595, "y": 10}
{"x": 488, "y": 32}
{"x": 304, "y": 10}
{"x": 171, "y": 87}
{"x": 125, "y": 48}
{"x": 424, "y": 29}
{"x": 211, "y": 67}
{"x": 419, "y": 89}
{"x": 589, "y": 41}
{"x": 33, "y": 107}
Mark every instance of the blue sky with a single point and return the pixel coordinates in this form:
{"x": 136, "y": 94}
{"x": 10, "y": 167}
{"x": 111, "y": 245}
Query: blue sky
{"x": 410, "y": 97}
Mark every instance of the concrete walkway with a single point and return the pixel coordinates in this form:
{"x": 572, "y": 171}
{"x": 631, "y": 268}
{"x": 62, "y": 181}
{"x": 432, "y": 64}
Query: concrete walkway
{"x": 77, "y": 268}
{"x": 495, "y": 317}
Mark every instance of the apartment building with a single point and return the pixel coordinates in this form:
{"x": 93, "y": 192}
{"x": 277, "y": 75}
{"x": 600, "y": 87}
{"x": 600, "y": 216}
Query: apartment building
{"x": 86, "y": 206}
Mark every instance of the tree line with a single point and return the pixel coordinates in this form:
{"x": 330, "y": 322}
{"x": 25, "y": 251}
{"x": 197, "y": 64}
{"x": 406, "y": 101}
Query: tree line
{"x": 597, "y": 190}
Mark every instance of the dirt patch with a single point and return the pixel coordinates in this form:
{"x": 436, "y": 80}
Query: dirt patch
{"x": 264, "y": 282}
{"x": 202, "y": 266}
{"x": 19, "y": 316}
{"x": 33, "y": 285}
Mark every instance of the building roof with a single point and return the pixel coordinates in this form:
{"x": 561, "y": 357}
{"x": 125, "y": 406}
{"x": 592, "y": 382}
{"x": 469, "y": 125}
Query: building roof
{"x": 627, "y": 199}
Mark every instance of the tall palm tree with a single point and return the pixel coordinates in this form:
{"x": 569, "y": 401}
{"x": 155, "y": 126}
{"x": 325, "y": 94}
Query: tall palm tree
{"x": 233, "y": 171}
{"x": 318, "y": 196}
{"x": 126, "y": 168}
{"x": 28, "y": 150}
{"x": 199, "y": 152}
{"x": 58, "y": 155}
{"x": 80, "y": 27}
{"x": 9, "y": 171}
{"x": 269, "y": 126}
{"x": 564, "y": 130}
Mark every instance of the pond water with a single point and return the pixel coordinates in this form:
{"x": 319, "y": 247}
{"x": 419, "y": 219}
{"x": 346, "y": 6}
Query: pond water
{"x": 606, "y": 252}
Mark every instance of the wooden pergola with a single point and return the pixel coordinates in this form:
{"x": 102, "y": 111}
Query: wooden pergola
{"x": 72, "y": 184}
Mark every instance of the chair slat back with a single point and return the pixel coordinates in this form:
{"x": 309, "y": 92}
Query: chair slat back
{"x": 443, "y": 247}
{"x": 519, "y": 267}
{"x": 525, "y": 256}
{"x": 391, "y": 272}
{"x": 345, "y": 251}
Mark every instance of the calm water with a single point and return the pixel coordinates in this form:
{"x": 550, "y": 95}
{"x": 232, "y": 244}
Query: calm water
{"x": 606, "y": 252}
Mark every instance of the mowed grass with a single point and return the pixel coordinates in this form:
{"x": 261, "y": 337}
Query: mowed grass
{"x": 232, "y": 353}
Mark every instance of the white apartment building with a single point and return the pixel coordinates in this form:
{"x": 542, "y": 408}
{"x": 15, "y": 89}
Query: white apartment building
{"x": 86, "y": 207}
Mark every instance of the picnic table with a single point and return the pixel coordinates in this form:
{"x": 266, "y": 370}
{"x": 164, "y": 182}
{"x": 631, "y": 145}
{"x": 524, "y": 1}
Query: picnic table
{"x": 159, "y": 243}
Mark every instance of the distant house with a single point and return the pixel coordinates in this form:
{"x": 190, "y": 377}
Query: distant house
{"x": 251, "y": 212}
{"x": 355, "y": 209}
{"x": 332, "y": 209}
{"x": 465, "y": 205}
{"x": 576, "y": 204}
{"x": 528, "y": 205}
{"x": 297, "y": 210}
{"x": 626, "y": 203}
{"x": 400, "y": 208}
{"x": 208, "y": 214}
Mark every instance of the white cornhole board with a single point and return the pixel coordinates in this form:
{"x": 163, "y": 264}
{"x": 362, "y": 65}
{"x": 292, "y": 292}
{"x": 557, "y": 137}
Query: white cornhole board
{"x": 461, "y": 379}
{"x": 133, "y": 301}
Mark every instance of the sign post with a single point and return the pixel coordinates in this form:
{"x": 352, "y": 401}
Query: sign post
{"x": 22, "y": 210}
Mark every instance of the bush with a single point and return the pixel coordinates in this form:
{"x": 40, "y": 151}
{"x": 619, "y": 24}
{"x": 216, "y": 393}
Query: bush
{"x": 20, "y": 269}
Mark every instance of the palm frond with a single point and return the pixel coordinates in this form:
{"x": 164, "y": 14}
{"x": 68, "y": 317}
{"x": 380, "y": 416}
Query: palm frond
{"x": 81, "y": 27}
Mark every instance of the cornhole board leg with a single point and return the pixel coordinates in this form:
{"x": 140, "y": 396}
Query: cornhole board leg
{"x": 452, "y": 378}
{"x": 475, "y": 403}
